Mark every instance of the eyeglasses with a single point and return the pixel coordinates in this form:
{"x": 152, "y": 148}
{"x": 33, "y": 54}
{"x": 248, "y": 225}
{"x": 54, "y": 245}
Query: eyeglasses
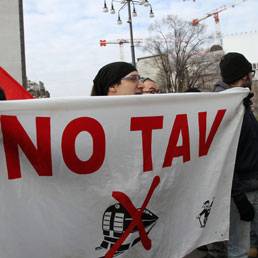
{"x": 151, "y": 91}
{"x": 142, "y": 79}
{"x": 252, "y": 73}
{"x": 133, "y": 78}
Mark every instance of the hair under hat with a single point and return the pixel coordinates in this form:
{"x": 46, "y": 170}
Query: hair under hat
{"x": 234, "y": 66}
{"x": 109, "y": 75}
{"x": 2, "y": 95}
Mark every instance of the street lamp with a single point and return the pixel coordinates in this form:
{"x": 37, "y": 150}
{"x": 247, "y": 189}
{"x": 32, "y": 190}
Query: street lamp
{"x": 130, "y": 4}
{"x": 105, "y": 8}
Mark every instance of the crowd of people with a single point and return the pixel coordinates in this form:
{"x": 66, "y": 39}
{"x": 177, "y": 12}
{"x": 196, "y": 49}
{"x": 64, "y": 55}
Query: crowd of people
{"x": 122, "y": 78}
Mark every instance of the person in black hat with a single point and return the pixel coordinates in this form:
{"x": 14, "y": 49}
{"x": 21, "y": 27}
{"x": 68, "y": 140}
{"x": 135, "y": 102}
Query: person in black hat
{"x": 118, "y": 78}
{"x": 236, "y": 71}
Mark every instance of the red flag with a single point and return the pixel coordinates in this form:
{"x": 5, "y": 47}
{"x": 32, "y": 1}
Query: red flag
{"x": 11, "y": 88}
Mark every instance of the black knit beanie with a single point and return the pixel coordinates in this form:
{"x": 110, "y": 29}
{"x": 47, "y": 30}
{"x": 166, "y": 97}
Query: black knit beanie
{"x": 109, "y": 75}
{"x": 233, "y": 67}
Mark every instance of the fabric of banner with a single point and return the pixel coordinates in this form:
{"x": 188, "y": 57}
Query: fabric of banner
{"x": 129, "y": 176}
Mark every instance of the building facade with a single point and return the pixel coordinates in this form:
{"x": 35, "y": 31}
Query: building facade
{"x": 12, "y": 49}
{"x": 148, "y": 67}
{"x": 37, "y": 90}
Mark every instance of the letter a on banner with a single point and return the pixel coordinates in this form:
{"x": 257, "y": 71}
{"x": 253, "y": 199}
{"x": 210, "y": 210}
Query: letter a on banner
{"x": 180, "y": 127}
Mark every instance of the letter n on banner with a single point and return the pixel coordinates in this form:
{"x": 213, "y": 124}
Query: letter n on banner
{"x": 15, "y": 136}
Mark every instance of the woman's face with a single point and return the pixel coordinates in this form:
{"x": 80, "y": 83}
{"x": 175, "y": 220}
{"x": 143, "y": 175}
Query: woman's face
{"x": 130, "y": 85}
{"x": 150, "y": 87}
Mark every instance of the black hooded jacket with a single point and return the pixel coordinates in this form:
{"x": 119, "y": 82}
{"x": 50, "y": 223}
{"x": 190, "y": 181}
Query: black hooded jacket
{"x": 246, "y": 165}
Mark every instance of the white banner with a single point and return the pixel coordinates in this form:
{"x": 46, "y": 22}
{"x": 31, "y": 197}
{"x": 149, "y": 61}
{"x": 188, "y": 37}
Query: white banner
{"x": 135, "y": 176}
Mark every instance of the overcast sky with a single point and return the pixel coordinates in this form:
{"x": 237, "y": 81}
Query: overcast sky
{"x": 62, "y": 36}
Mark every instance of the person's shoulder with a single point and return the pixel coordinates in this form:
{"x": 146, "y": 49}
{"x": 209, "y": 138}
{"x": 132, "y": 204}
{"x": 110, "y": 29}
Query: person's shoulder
{"x": 220, "y": 86}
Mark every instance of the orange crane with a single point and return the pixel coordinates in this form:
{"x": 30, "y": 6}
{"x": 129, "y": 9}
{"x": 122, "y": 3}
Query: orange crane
{"x": 120, "y": 42}
{"x": 215, "y": 15}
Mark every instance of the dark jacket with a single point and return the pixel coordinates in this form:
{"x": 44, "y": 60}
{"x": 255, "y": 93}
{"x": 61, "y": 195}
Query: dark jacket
{"x": 246, "y": 166}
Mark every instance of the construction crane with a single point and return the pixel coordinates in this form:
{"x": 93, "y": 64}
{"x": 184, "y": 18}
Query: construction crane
{"x": 215, "y": 15}
{"x": 120, "y": 42}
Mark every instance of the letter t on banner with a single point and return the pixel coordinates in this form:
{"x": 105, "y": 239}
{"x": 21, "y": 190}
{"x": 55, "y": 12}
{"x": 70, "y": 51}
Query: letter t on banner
{"x": 146, "y": 125}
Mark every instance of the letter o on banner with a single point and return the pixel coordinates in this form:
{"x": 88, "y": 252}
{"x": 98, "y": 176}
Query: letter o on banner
{"x": 72, "y": 130}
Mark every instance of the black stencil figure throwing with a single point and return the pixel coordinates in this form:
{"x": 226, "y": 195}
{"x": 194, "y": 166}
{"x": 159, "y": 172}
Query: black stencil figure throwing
{"x": 204, "y": 214}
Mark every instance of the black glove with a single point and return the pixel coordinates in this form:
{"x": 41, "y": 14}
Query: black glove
{"x": 247, "y": 100}
{"x": 245, "y": 208}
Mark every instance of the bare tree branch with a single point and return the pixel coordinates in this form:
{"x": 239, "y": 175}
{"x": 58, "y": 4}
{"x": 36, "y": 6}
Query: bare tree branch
{"x": 177, "y": 45}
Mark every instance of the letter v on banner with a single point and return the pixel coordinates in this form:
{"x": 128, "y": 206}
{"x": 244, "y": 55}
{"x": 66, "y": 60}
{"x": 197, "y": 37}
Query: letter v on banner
{"x": 204, "y": 145}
